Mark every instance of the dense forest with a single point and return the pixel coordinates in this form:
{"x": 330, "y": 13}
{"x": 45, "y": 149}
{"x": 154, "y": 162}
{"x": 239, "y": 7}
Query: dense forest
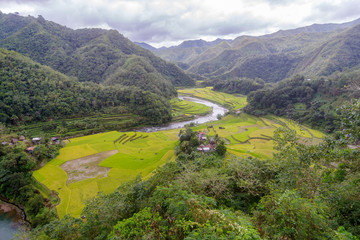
{"x": 311, "y": 101}
{"x": 91, "y": 55}
{"x": 304, "y": 192}
{"x": 31, "y": 92}
{"x": 238, "y": 85}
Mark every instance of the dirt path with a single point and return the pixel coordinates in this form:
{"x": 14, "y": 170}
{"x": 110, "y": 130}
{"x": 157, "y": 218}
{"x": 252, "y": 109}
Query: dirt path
{"x": 87, "y": 167}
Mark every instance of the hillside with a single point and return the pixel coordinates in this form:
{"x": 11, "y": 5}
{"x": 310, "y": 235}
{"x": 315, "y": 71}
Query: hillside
{"x": 31, "y": 92}
{"x": 314, "y": 102}
{"x": 187, "y": 51}
{"x": 319, "y": 49}
{"x": 96, "y": 55}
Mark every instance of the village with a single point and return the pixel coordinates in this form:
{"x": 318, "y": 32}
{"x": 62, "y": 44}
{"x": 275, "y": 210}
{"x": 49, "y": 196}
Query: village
{"x": 30, "y": 144}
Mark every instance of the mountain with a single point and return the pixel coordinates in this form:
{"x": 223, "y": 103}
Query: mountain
{"x": 96, "y": 55}
{"x": 31, "y": 92}
{"x": 319, "y": 49}
{"x": 146, "y": 46}
{"x": 314, "y": 28}
{"x": 186, "y": 51}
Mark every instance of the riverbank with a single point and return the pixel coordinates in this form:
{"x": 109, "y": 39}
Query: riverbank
{"x": 12, "y": 219}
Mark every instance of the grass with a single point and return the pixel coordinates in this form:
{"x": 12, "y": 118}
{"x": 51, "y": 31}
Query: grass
{"x": 226, "y": 100}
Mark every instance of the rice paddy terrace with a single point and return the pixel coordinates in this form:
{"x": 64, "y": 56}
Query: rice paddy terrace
{"x": 227, "y": 100}
{"x": 102, "y": 162}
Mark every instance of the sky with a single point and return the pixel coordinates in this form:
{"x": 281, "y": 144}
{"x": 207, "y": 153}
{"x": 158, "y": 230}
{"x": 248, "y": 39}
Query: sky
{"x": 169, "y": 22}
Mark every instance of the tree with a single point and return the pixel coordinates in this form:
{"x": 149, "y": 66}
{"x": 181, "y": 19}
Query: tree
{"x": 221, "y": 149}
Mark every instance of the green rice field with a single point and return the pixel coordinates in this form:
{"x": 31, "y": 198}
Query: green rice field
{"x": 183, "y": 109}
{"x": 227, "y": 100}
{"x": 138, "y": 154}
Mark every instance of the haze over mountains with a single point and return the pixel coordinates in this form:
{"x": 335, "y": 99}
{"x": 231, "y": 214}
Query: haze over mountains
{"x": 319, "y": 49}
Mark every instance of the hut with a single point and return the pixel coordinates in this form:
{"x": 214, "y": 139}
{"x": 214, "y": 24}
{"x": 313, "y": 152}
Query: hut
{"x": 36, "y": 140}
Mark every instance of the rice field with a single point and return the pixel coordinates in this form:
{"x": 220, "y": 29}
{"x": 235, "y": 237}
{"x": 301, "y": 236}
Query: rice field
{"x": 227, "y": 100}
{"x": 183, "y": 109}
{"x": 137, "y": 154}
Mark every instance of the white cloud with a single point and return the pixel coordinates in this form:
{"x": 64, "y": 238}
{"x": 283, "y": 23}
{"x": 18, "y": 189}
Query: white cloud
{"x": 162, "y": 21}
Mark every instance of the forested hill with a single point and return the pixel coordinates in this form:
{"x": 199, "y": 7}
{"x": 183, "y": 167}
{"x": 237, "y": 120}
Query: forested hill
{"x": 32, "y": 92}
{"x": 96, "y": 55}
{"x": 316, "y": 50}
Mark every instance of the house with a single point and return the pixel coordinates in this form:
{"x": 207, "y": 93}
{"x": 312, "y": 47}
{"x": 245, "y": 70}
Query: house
{"x": 4, "y": 143}
{"x": 14, "y": 140}
{"x": 201, "y": 136}
{"x": 204, "y": 149}
{"x": 22, "y": 138}
{"x": 30, "y": 149}
{"x": 55, "y": 140}
{"x": 36, "y": 140}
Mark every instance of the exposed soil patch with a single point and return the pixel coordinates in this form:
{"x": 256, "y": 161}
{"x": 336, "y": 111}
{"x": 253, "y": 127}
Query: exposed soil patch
{"x": 87, "y": 167}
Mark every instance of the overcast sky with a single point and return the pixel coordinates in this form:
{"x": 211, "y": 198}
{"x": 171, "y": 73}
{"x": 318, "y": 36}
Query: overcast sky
{"x": 168, "y": 22}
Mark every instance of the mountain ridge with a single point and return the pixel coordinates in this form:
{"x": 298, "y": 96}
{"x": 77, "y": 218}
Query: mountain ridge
{"x": 88, "y": 54}
{"x": 312, "y": 50}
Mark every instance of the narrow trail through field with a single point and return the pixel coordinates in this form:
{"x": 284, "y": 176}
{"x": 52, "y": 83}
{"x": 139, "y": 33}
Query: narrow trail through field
{"x": 87, "y": 167}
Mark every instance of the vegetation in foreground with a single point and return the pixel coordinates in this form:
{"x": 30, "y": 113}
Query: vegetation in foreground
{"x": 304, "y": 192}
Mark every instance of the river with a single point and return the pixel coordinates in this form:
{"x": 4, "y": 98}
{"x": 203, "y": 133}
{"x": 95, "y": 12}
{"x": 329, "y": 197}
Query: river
{"x": 216, "y": 109}
{"x": 10, "y": 220}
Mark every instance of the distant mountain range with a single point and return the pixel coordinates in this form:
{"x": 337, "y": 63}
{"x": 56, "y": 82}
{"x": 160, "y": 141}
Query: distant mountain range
{"x": 96, "y": 55}
{"x": 319, "y": 49}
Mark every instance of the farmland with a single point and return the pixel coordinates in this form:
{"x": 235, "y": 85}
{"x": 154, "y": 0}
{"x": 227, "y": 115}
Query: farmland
{"x": 128, "y": 154}
{"x": 102, "y": 162}
{"x": 183, "y": 109}
{"x": 133, "y": 154}
{"x": 227, "y": 100}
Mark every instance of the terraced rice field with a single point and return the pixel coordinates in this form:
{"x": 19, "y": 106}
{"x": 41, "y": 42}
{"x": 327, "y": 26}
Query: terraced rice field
{"x": 247, "y": 135}
{"x": 224, "y": 99}
{"x": 125, "y": 156}
{"x": 182, "y": 109}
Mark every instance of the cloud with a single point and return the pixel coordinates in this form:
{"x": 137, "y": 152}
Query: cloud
{"x": 160, "y": 21}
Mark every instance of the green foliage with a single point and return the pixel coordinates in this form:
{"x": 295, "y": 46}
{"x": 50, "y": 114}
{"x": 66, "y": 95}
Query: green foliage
{"x": 221, "y": 149}
{"x": 30, "y": 92}
{"x": 350, "y": 124}
{"x": 142, "y": 225}
{"x": 15, "y": 174}
{"x": 313, "y": 102}
{"x": 288, "y": 216}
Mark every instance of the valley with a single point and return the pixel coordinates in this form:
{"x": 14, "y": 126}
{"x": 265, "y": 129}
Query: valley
{"x": 102, "y": 162}
{"x": 251, "y": 138}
